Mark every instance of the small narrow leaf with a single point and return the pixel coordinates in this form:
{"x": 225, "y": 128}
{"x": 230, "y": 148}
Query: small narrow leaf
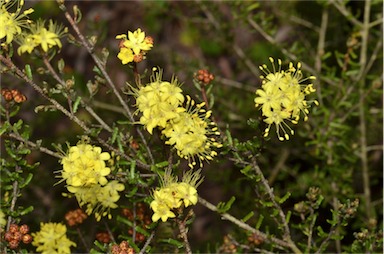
{"x": 76, "y": 104}
{"x": 28, "y": 71}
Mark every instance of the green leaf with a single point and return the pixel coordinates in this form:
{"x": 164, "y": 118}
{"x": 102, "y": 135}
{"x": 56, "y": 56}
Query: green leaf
{"x": 76, "y": 104}
{"x": 26, "y": 210}
{"x": 229, "y": 137}
{"x": 174, "y": 242}
{"x": 223, "y": 207}
{"x": 132, "y": 169}
{"x": 259, "y": 221}
{"x": 28, "y": 71}
{"x": 283, "y": 199}
{"x": 114, "y": 135}
{"x": 61, "y": 65}
{"x": 77, "y": 14}
{"x": 248, "y": 216}
{"x": 27, "y": 180}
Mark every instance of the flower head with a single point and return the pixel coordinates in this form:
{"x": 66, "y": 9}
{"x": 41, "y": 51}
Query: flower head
{"x": 173, "y": 195}
{"x": 84, "y": 165}
{"x": 137, "y": 44}
{"x": 41, "y": 36}
{"x": 159, "y": 102}
{"x": 52, "y": 238}
{"x": 192, "y": 133}
{"x": 12, "y": 22}
{"x": 282, "y": 97}
{"x": 85, "y": 172}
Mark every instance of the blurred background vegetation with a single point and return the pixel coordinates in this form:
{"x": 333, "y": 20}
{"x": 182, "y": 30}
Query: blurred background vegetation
{"x": 231, "y": 39}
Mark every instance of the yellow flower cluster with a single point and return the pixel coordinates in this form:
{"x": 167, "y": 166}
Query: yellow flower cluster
{"x": 191, "y": 133}
{"x": 174, "y": 195}
{"x": 52, "y": 238}
{"x": 85, "y": 171}
{"x": 188, "y": 128}
{"x": 282, "y": 97}
{"x": 159, "y": 102}
{"x": 134, "y": 47}
{"x": 41, "y": 36}
{"x": 11, "y": 22}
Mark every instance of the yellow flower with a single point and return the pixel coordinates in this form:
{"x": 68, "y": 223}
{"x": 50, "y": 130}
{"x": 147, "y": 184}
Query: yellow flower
{"x": 134, "y": 47}
{"x": 192, "y": 134}
{"x": 84, "y": 165}
{"x": 172, "y": 194}
{"x": 187, "y": 193}
{"x": 159, "y": 102}
{"x": 161, "y": 211}
{"x": 11, "y": 23}
{"x": 52, "y": 238}
{"x": 136, "y": 41}
{"x": 41, "y": 36}
{"x": 47, "y": 39}
{"x": 125, "y": 55}
{"x": 282, "y": 97}
{"x": 28, "y": 44}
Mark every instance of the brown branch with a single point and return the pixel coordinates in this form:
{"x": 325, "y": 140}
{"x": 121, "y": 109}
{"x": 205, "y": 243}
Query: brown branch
{"x": 102, "y": 69}
{"x": 280, "y": 243}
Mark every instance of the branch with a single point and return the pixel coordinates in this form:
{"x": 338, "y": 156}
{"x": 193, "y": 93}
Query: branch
{"x": 183, "y": 234}
{"x": 288, "y": 53}
{"x": 35, "y": 146}
{"x": 62, "y": 82}
{"x": 320, "y": 49}
{"x": 280, "y": 243}
{"x": 346, "y": 13}
{"x": 142, "y": 251}
{"x": 102, "y": 69}
{"x": 8, "y": 62}
{"x": 363, "y": 130}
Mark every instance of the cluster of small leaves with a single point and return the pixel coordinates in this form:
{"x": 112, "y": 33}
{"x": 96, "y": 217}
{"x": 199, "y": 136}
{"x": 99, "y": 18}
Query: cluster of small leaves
{"x": 16, "y": 171}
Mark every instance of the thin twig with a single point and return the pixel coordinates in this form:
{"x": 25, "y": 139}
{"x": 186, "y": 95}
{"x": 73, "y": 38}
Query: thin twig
{"x": 346, "y": 13}
{"x": 240, "y": 53}
{"x": 289, "y": 54}
{"x": 363, "y": 130}
{"x": 320, "y": 50}
{"x": 101, "y": 67}
{"x": 280, "y": 243}
{"x": 287, "y": 233}
{"x": 15, "y": 193}
{"x": 235, "y": 84}
{"x": 82, "y": 239}
{"x": 310, "y": 233}
{"x": 8, "y": 62}
{"x": 142, "y": 251}
{"x": 184, "y": 236}
{"x": 35, "y": 146}
{"x": 62, "y": 82}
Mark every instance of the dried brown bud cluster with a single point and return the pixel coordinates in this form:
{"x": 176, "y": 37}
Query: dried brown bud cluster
{"x": 204, "y": 76}
{"x": 16, "y": 234}
{"x": 75, "y": 217}
{"x": 103, "y": 237}
{"x": 228, "y": 246}
{"x": 255, "y": 239}
{"x": 13, "y": 95}
{"x": 122, "y": 248}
